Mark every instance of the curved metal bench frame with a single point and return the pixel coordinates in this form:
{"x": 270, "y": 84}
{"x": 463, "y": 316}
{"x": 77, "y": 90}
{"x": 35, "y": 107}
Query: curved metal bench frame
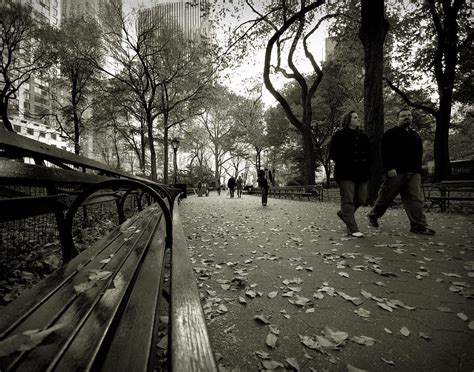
{"x": 69, "y": 249}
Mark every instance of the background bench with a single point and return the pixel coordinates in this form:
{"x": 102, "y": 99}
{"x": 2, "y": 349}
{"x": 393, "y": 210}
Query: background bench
{"x": 311, "y": 192}
{"x": 100, "y": 310}
{"x": 445, "y": 192}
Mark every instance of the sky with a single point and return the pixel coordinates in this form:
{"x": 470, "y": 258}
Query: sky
{"x": 250, "y": 73}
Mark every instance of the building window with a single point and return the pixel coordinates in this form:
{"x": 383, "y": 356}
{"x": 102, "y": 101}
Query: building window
{"x": 42, "y": 134}
{"x": 30, "y": 131}
{"x": 53, "y": 136}
{"x": 17, "y": 128}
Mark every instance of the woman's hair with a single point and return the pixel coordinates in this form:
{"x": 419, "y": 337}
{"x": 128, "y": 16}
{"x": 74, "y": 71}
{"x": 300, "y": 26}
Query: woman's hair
{"x": 346, "y": 119}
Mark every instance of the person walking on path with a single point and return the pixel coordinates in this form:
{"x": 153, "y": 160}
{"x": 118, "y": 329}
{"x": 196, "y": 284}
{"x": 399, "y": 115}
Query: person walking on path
{"x": 350, "y": 150}
{"x": 402, "y": 151}
{"x": 239, "y": 185}
{"x": 263, "y": 178}
{"x": 231, "y": 186}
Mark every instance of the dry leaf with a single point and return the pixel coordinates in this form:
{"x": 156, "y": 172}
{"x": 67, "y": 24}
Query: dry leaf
{"x": 343, "y": 274}
{"x": 462, "y": 316}
{"x": 271, "y": 340}
{"x": 271, "y": 364}
{"x": 80, "y": 288}
{"x": 262, "y": 354}
{"x": 363, "y": 340}
{"x": 384, "y": 306}
{"x": 388, "y": 331}
{"x": 26, "y": 340}
{"x": 242, "y": 300}
{"x": 471, "y": 325}
{"x": 262, "y": 319}
{"x": 390, "y": 362}
{"x": 272, "y": 294}
{"x": 405, "y": 331}
{"x": 292, "y": 362}
{"x": 99, "y": 275}
{"x": 424, "y": 335}
{"x": 362, "y": 312}
{"x": 351, "y": 368}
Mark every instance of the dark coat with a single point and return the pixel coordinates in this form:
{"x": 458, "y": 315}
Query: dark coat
{"x": 350, "y": 150}
{"x": 231, "y": 183}
{"x": 402, "y": 150}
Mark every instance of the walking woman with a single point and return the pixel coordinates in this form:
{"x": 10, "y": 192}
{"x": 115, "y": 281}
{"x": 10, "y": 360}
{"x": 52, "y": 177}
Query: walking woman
{"x": 350, "y": 150}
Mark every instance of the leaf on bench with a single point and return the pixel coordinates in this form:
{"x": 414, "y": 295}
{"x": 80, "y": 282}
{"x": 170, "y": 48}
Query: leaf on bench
{"x": 99, "y": 275}
{"x": 26, "y": 340}
{"x": 80, "y": 288}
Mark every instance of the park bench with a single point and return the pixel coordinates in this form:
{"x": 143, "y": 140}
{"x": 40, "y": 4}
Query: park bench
{"x": 101, "y": 309}
{"x": 444, "y": 192}
{"x": 311, "y": 192}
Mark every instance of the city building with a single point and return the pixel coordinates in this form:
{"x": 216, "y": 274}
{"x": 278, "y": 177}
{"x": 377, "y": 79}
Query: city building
{"x": 27, "y": 112}
{"x": 179, "y": 14}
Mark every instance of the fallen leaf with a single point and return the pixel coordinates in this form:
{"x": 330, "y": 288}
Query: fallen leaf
{"x": 292, "y": 362}
{"x": 242, "y": 300}
{"x": 388, "y": 331}
{"x": 390, "y": 362}
{"x": 26, "y": 340}
{"x": 99, "y": 275}
{"x": 471, "y": 324}
{"x": 80, "y": 288}
{"x": 271, "y": 364}
{"x": 384, "y": 306}
{"x": 362, "y": 312}
{"x": 424, "y": 335}
{"x": 351, "y": 368}
{"x": 261, "y": 318}
{"x": 343, "y": 274}
{"x": 262, "y": 354}
{"x": 272, "y": 294}
{"x": 462, "y": 316}
{"x": 222, "y": 308}
{"x": 163, "y": 344}
{"x": 271, "y": 340}
{"x": 363, "y": 340}
{"x": 405, "y": 331}
{"x": 274, "y": 329}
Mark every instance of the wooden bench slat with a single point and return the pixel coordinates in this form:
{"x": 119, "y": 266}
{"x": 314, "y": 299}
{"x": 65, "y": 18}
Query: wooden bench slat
{"x": 132, "y": 347}
{"x": 34, "y": 297}
{"x": 16, "y": 173}
{"x": 190, "y": 344}
{"x": 51, "y": 298}
{"x": 88, "y": 315}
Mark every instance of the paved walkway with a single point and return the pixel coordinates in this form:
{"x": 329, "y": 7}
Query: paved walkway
{"x": 392, "y": 301}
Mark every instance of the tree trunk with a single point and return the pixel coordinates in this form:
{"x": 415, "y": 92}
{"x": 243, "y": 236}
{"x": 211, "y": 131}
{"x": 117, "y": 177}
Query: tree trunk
{"x": 165, "y": 149}
{"x": 309, "y": 156}
{"x": 142, "y": 156}
{"x": 372, "y": 33}
{"x": 4, "y": 115}
{"x": 151, "y": 143}
{"x": 441, "y": 142}
{"x": 77, "y": 133}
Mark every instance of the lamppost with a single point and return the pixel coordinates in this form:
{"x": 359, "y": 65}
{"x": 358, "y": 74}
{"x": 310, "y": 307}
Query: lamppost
{"x": 175, "y": 145}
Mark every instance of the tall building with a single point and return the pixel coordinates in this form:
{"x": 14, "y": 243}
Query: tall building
{"x": 33, "y": 99}
{"x": 179, "y": 15}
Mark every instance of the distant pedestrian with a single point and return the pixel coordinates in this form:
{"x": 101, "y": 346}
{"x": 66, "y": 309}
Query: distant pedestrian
{"x": 350, "y": 150}
{"x": 239, "y": 185}
{"x": 264, "y": 177}
{"x": 402, "y": 152}
{"x": 231, "y": 186}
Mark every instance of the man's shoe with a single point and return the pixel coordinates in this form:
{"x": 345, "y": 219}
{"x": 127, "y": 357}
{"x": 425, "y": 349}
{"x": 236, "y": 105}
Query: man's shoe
{"x": 373, "y": 222}
{"x": 357, "y": 234}
{"x": 339, "y": 214}
{"x": 422, "y": 230}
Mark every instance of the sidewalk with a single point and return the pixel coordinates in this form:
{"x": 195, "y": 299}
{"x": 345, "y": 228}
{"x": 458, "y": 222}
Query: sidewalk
{"x": 392, "y": 301}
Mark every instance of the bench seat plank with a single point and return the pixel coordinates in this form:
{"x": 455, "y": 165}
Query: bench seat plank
{"x": 190, "y": 344}
{"x": 90, "y": 313}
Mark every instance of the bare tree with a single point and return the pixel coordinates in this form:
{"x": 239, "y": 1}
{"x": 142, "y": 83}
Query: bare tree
{"x": 25, "y": 51}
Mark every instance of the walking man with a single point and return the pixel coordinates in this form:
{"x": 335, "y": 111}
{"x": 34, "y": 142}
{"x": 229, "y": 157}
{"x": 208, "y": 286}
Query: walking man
{"x": 231, "y": 186}
{"x": 402, "y": 152}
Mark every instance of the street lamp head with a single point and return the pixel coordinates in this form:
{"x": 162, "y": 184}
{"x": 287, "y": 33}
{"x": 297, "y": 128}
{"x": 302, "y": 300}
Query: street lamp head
{"x": 175, "y": 143}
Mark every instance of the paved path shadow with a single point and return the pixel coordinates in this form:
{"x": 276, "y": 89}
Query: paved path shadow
{"x": 392, "y": 301}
